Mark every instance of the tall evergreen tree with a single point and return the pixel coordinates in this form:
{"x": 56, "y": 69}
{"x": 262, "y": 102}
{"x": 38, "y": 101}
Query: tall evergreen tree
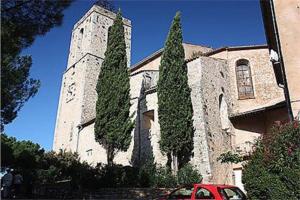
{"x": 175, "y": 110}
{"x": 113, "y": 124}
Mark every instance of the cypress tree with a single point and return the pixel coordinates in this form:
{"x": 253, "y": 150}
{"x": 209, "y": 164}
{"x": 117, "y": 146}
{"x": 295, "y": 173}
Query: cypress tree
{"x": 113, "y": 124}
{"x": 175, "y": 110}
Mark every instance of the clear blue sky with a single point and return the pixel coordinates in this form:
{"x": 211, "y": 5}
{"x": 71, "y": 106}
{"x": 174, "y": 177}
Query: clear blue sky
{"x": 210, "y": 23}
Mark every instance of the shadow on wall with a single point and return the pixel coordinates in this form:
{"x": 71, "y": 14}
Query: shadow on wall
{"x": 254, "y": 123}
{"x": 260, "y": 122}
{"x": 142, "y": 148}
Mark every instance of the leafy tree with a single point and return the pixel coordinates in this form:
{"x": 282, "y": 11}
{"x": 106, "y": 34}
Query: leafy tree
{"x": 17, "y": 87}
{"x": 27, "y": 155}
{"x": 274, "y": 168}
{"x": 20, "y": 154}
{"x": 174, "y": 102}
{"x": 113, "y": 123}
{"x": 39, "y": 167}
{"x": 22, "y": 21}
{"x": 7, "y": 154}
{"x": 23, "y": 156}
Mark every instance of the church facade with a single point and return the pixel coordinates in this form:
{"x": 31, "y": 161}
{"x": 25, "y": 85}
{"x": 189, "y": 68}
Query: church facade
{"x": 234, "y": 95}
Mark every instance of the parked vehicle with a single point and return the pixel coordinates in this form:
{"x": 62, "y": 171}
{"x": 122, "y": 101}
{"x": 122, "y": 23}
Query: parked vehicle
{"x": 206, "y": 192}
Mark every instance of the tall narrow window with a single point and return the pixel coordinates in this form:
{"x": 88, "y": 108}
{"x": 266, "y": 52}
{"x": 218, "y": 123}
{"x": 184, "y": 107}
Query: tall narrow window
{"x": 80, "y": 38}
{"x": 225, "y": 124}
{"x": 71, "y": 131}
{"x": 244, "y": 79}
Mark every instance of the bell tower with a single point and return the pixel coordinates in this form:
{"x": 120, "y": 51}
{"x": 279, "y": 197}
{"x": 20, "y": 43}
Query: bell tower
{"x": 77, "y": 102}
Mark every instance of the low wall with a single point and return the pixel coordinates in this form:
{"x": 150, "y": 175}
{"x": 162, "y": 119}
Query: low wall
{"x": 102, "y": 193}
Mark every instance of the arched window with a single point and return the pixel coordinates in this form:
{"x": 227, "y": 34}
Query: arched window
{"x": 244, "y": 79}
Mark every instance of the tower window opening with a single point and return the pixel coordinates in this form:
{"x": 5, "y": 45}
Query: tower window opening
{"x": 148, "y": 119}
{"x": 89, "y": 152}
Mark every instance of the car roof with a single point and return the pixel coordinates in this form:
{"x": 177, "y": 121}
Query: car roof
{"x": 214, "y": 185}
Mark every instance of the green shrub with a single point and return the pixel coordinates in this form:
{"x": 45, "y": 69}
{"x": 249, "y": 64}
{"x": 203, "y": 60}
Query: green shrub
{"x": 151, "y": 175}
{"x": 64, "y": 166}
{"x": 47, "y": 176}
{"x": 147, "y": 173}
{"x": 164, "y": 178}
{"x": 188, "y": 175}
{"x": 230, "y": 157}
{"x": 118, "y": 176}
{"x": 53, "y": 167}
{"x": 274, "y": 168}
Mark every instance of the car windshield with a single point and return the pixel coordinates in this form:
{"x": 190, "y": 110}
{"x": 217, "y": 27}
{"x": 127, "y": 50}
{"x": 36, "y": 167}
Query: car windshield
{"x": 182, "y": 193}
{"x": 232, "y": 193}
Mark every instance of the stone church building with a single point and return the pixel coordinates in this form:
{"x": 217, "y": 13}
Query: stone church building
{"x": 234, "y": 95}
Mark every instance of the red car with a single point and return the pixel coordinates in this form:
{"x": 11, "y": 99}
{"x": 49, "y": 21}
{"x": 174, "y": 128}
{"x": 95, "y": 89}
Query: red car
{"x": 207, "y": 192}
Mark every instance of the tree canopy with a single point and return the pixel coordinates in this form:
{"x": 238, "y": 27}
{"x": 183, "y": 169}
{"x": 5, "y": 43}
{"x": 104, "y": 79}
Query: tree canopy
{"x": 175, "y": 110}
{"x": 113, "y": 123}
{"x": 22, "y": 21}
{"x": 19, "y": 154}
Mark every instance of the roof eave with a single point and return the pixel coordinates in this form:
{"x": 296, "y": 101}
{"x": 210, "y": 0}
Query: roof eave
{"x": 280, "y": 104}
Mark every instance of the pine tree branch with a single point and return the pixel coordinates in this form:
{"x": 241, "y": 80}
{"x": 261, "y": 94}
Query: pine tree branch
{"x": 16, "y": 6}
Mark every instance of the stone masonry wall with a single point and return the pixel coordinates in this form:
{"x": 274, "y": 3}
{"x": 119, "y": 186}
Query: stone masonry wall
{"x": 215, "y": 88}
{"x": 57, "y": 192}
{"x": 266, "y": 92}
{"x": 208, "y": 80}
{"x": 90, "y": 33}
{"x": 69, "y": 109}
{"x": 263, "y": 78}
{"x": 201, "y": 151}
{"x": 93, "y": 68}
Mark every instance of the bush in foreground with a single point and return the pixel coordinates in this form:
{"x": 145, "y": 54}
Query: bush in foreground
{"x": 151, "y": 175}
{"x": 49, "y": 168}
{"x": 188, "y": 175}
{"x": 274, "y": 168}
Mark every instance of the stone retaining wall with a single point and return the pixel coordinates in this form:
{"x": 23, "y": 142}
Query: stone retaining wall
{"x": 102, "y": 193}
